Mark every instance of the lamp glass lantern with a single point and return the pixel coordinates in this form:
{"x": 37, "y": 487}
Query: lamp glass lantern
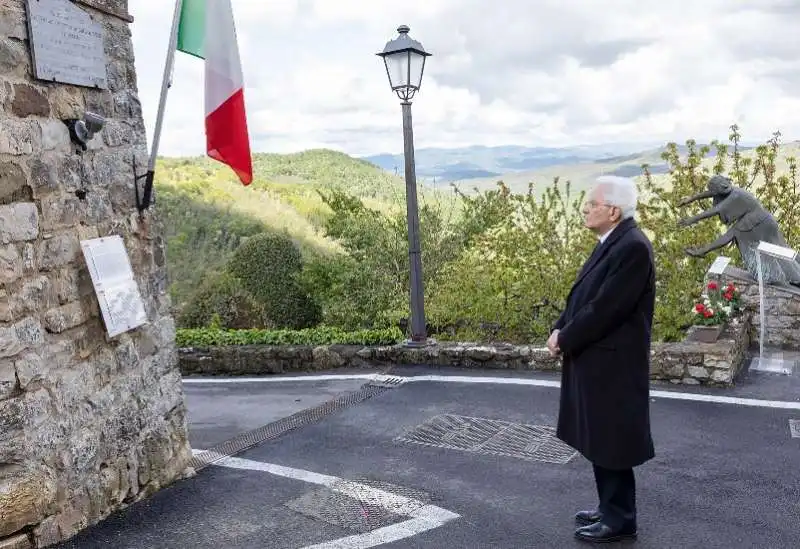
{"x": 404, "y": 59}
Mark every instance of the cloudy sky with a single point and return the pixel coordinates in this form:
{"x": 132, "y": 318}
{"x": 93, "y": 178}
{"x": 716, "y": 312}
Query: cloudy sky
{"x": 534, "y": 73}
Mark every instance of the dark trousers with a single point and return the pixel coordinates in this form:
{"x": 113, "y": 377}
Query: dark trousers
{"x": 616, "y": 490}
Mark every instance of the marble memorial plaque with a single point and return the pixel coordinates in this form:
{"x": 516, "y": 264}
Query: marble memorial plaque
{"x": 117, "y": 292}
{"x": 66, "y": 44}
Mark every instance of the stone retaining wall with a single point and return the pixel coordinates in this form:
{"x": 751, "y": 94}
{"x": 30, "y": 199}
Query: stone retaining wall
{"x": 88, "y": 423}
{"x": 782, "y": 309}
{"x": 715, "y": 364}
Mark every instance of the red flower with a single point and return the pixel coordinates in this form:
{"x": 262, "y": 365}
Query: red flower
{"x": 707, "y": 313}
{"x": 712, "y": 286}
{"x": 731, "y": 287}
{"x": 728, "y": 296}
{"x": 699, "y": 308}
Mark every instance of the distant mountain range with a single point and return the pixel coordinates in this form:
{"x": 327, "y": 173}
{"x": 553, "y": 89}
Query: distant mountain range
{"x": 481, "y": 165}
{"x": 446, "y": 165}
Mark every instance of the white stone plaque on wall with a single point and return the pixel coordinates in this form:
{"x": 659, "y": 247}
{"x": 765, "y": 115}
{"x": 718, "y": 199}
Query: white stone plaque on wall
{"x": 117, "y": 293}
{"x": 66, "y": 44}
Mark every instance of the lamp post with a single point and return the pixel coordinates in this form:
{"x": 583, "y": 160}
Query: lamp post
{"x": 405, "y": 61}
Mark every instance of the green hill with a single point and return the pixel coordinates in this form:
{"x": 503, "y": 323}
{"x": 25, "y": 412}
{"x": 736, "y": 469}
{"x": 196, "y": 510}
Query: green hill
{"x": 207, "y": 212}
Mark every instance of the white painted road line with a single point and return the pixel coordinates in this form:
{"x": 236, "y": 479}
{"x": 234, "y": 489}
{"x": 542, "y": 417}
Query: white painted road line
{"x": 754, "y": 402}
{"x": 278, "y": 379}
{"x": 422, "y": 517}
{"x": 674, "y": 395}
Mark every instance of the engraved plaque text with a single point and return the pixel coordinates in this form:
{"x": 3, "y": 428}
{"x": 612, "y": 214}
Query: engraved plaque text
{"x": 66, "y": 45}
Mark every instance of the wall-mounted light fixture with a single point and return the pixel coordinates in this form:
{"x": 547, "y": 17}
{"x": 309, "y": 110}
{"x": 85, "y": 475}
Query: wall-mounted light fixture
{"x": 82, "y": 130}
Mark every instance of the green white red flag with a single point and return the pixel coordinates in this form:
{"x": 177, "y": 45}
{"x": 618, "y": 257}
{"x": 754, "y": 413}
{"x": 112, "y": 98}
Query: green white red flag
{"x": 206, "y": 30}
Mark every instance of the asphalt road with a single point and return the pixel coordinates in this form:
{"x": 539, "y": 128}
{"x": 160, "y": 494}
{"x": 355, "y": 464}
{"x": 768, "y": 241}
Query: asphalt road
{"x": 725, "y": 474}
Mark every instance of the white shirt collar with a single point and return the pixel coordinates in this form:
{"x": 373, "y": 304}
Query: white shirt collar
{"x": 603, "y": 237}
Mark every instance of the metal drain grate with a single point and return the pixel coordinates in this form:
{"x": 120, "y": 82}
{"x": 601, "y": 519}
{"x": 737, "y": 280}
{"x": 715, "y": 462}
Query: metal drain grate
{"x": 387, "y": 381}
{"x": 350, "y": 504}
{"x": 794, "y": 428}
{"x": 488, "y": 436}
{"x": 249, "y": 439}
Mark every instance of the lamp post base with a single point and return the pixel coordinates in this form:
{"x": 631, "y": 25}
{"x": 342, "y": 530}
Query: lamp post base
{"x": 419, "y": 344}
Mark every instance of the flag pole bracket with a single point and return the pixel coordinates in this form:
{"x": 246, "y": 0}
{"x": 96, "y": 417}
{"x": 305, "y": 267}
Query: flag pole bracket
{"x": 144, "y": 199}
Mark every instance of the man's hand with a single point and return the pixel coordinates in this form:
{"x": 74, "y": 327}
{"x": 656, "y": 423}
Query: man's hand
{"x": 552, "y": 344}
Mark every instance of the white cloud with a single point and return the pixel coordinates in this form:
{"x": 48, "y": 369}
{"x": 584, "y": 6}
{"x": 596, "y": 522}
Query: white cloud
{"x": 512, "y": 72}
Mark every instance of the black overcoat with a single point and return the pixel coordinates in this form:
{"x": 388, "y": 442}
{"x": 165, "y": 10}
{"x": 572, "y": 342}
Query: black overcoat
{"x": 604, "y": 411}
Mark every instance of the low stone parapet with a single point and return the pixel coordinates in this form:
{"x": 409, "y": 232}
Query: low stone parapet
{"x": 694, "y": 363}
{"x": 681, "y": 363}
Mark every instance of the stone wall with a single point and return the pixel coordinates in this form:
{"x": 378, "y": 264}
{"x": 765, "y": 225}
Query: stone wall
{"x": 782, "y": 309}
{"x": 714, "y": 364}
{"x": 87, "y": 423}
{"x": 694, "y": 363}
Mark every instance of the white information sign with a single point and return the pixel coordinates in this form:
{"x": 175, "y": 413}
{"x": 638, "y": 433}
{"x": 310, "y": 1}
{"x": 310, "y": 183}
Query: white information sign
{"x": 66, "y": 44}
{"x": 776, "y": 251}
{"x": 719, "y": 265}
{"x": 117, "y": 292}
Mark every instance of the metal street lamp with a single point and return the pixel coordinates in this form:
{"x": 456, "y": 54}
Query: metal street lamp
{"x": 405, "y": 62}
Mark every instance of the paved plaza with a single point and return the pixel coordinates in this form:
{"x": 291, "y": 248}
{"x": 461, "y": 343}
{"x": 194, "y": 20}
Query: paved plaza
{"x": 430, "y": 458}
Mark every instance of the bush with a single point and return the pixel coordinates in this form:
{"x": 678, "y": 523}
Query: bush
{"x": 222, "y": 299}
{"x": 322, "y": 335}
{"x": 269, "y": 266}
{"x": 368, "y": 285}
{"x": 510, "y": 284}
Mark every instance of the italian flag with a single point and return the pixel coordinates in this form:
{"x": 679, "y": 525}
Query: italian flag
{"x": 206, "y": 30}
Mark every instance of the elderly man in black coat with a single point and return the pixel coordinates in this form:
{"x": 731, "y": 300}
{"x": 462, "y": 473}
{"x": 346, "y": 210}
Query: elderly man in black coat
{"x": 603, "y": 336}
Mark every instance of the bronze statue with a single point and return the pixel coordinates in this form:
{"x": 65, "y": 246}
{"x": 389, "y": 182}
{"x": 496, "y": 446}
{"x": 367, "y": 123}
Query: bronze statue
{"x": 748, "y": 224}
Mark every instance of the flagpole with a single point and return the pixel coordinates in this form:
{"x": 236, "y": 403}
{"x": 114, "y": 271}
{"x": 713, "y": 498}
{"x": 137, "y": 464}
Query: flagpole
{"x": 165, "y": 85}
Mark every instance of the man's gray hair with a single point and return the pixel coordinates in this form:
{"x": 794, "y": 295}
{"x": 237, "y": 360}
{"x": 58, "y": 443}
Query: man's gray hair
{"x": 620, "y": 192}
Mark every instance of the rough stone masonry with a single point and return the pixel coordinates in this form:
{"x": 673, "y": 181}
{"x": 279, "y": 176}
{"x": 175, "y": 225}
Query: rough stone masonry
{"x": 88, "y": 423}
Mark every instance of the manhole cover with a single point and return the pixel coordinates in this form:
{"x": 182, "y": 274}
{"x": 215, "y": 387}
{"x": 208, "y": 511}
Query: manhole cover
{"x": 489, "y": 436}
{"x": 360, "y": 504}
{"x": 794, "y": 428}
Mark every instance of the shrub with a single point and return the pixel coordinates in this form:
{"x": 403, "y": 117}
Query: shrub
{"x": 221, "y": 299}
{"x": 526, "y": 251}
{"x": 368, "y": 285}
{"x": 321, "y": 335}
{"x": 269, "y": 266}
{"x": 677, "y": 274}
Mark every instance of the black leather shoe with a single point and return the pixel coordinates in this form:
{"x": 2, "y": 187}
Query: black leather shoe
{"x": 600, "y": 532}
{"x": 586, "y": 518}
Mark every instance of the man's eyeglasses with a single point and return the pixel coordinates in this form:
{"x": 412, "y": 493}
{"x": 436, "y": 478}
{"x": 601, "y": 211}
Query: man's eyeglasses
{"x": 594, "y": 204}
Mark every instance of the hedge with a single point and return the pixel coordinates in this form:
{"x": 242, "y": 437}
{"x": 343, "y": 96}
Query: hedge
{"x": 211, "y": 337}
